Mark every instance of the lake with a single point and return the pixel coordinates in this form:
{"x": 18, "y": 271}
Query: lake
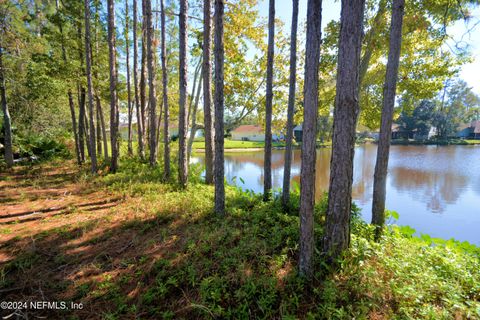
{"x": 435, "y": 189}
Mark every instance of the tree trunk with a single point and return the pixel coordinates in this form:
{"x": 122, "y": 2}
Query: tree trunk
{"x": 143, "y": 83}
{"x": 219, "y": 105}
{"x": 389, "y": 90}
{"x": 104, "y": 129}
{"x": 182, "y": 104}
{"x": 194, "y": 126}
{"x": 310, "y": 110}
{"x": 129, "y": 98}
{"x": 166, "y": 135}
{"x": 99, "y": 132}
{"x": 291, "y": 107}
{"x": 7, "y": 124}
{"x": 337, "y": 229}
{"x": 267, "y": 176}
{"x": 370, "y": 38}
{"x": 151, "y": 83}
{"x": 81, "y": 123}
{"x": 207, "y": 92}
{"x": 113, "y": 87}
{"x": 141, "y": 147}
{"x": 70, "y": 95}
{"x": 93, "y": 151}
{"x": 81, "y": 99}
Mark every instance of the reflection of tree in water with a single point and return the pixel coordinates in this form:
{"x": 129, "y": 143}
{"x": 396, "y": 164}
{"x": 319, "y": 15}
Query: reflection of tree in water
{"x": 436, "y": 189}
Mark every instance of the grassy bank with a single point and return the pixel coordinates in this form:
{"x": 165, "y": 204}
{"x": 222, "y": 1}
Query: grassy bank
{"x": 127, "y": 246}
{"x": 233, "y": 144}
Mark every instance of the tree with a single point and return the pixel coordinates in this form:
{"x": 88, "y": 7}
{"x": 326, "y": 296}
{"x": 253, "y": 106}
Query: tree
{"x": 219, "y": 108}
{"x": 337, "y": 228}
{"x": 166, "y": 116}
{"x": 7, "y": 125}
{"x": 113, "y": 86}
{"x": 267, "y": 168}
{"x": 129, "y": 99}
{"x": 416, "y": 123}
{"x": 207, "y": 92}
{"x": 310, "y": 110}
{"x": 151, "y": 84}
{"x": 291, "y": 107}
{"x": 93, "y": 151}
{"x": 389, "y": 91}
{"x": 141, "y": 148}
{"x": 182, "y": 104}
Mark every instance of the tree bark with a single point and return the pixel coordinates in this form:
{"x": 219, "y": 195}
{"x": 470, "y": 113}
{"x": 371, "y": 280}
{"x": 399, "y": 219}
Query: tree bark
{"x": 166, "y": 135}
{"x": 151, "y": 85}
{"x": 113, "y": 87}
{"x": 389, "y": 90}
{"x": 143, "y": 81}
{"x": 219, "y": 106}
{"x": 93, "y": 151}
{"x": 194, "y": 127}
{"x": 104, "y": 129}
{"x": 182, "y": 104}
{"x": 337, "y": 229}
{"x": 310, "y": 110}
{"x": 267, "y": 171}
{"x": 70, "y": 95}
{"x": 129, "y": 98}
{"x": 81, "y": 99}
{"x": 7, "y": 122}
{"x": 141, "y": 147}
{"x": 98, "y": 132}
{"x": 291, "y": 107}
{"x": 207, "y": 92}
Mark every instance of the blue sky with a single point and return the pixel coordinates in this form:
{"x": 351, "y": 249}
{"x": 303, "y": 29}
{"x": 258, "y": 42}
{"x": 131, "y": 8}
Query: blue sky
{"x": 331, "y": 11}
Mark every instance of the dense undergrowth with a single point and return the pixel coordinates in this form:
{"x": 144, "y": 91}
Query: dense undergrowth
{"x": 186, "y": 262}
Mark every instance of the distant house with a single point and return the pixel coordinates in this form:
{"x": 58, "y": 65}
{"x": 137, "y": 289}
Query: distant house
{"x": 298, "y": 133}
{"x": 399, "y": 132}
{"x": 250, "y": 132}
{"x": 469, "y": 130}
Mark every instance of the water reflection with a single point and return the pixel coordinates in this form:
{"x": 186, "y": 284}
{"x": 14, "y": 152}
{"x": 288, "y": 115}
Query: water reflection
{"x": 423, "y": 182}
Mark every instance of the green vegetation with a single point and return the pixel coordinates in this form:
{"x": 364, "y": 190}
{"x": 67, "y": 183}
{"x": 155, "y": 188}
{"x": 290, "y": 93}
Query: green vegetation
{"x": 162, "y": 253}
{"x": 234, "y": 144}
{"x": 436, "y": 142}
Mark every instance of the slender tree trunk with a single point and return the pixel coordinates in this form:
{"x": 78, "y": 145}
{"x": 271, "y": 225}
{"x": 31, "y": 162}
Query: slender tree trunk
{"x": 141, "y": 147}
{"x": 93, "y": 151}
{"x": 113, "y": 87}
{"x": 291, "y": 107}
{"x": 337, "y": 230}
{"x": 208, "y": 115}
{"x": 166, "y": 135}
{"x": 194, "y": 127}
{"x": 81, "y": 123}
{"x": 129, "y": 98}
{"x": 7, "y": 123}
{"x": 143, "y": 77}
{"x": 267, "y": 176}
{"x": 99, "y": 131}
{"x": 151, "y": 82}
{"x": 81, "y": 99}
{"x": 182, "y": 104}
{"x": 310, "y": 111}
{"x": 70, "y": 95}
{"x": 389, "y": 90}
{"x": 219, "y": 54}
{"x": 372, "y": 36}
{"x": 104, "y": 129}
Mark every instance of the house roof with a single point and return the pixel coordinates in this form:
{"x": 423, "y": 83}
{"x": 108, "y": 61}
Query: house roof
{"x": 396, "y": 127}
{"x": 476, "y": 126}
{"x": 248, "y": 128}
{"x": 463, "y": 126}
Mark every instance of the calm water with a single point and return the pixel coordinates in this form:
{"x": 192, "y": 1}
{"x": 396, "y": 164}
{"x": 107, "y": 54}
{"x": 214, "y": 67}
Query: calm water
{"x": 435, "y": 189}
